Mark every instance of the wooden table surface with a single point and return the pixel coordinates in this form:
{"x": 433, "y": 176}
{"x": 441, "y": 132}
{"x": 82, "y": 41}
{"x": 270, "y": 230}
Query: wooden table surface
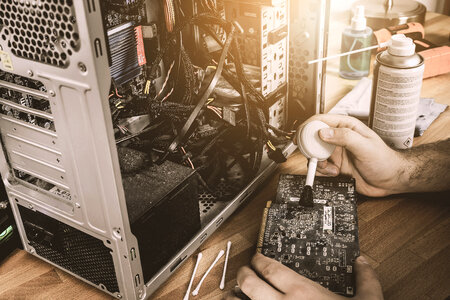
{"x": 406, "y": 238}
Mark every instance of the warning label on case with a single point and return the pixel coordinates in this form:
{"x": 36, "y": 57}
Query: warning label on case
{"x": 6, "y": 61}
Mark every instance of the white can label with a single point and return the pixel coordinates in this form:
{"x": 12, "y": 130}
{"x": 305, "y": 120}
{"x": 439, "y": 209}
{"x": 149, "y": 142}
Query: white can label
{"x": 396, "y": 103}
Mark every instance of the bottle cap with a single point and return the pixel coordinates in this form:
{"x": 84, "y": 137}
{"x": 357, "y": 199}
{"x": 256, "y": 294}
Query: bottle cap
{"x": 400, "y": 45}
{"x": 310, "y": 144}
{"x": 358, "y": 20}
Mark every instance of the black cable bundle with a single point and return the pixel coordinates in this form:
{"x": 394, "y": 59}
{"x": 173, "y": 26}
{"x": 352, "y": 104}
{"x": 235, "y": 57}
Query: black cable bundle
{"x": 176, "y": 111}
{"x": 256, "y": 124}
{"x": 190, "y": 80}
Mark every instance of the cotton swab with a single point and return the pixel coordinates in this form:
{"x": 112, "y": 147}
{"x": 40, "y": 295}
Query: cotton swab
{"x": 195, "y": 292}
{"x": 199, "y": 258}
{"x": 222, "y": 282}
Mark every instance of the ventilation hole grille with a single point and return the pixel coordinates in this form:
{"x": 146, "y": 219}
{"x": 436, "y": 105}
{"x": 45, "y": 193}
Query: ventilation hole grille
{"x": 223, "y": 192}
{"x": 298, "y": 71}
{"x": 43, "y": 31}
{"x": 71, "y": 249}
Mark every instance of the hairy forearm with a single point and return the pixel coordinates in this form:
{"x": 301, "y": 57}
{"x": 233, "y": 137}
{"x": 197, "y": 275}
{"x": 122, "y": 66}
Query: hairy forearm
{"x": 426, "y": 168}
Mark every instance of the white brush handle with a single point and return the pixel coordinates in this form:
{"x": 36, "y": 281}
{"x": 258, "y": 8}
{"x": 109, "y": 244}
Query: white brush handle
{"x": 222, "y": 282}
{"x": 312, "y": 166}
{"x": 199, "y": 258}
{"x": 195, "y": 292}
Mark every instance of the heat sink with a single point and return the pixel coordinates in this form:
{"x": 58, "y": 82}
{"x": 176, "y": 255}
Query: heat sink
{"x": 123, "y": 46}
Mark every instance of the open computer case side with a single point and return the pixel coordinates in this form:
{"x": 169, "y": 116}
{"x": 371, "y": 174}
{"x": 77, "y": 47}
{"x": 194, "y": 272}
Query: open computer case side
{"x": 77, "y": 190}
{"x": 59, "y": 160}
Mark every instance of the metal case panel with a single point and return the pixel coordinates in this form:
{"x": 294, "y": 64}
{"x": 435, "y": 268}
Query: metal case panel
{"x": 76, "y": 85}
{"x": 308, "y": 41}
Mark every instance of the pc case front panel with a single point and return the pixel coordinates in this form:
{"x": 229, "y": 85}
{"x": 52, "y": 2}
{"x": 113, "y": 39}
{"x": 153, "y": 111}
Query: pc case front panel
{"x": 75, "y": 155}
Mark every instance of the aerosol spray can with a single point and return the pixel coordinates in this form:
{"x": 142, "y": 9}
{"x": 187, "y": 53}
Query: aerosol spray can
{"x": 396, "y": 89}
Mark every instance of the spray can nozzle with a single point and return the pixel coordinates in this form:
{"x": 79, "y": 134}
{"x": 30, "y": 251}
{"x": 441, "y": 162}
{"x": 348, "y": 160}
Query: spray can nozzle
{"x": 359, "y": 20}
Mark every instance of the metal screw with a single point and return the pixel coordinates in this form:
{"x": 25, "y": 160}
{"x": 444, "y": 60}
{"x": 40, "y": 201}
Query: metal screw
{"x": 30, "y": 206}
{"x": 30, "y": 73}
{"x": 11, "y": 179}
{"x": 119, "y": 296}
{"x": 82, "y": 67}
{"x": 3, "y": 204}
{"x": 31, "y": 250}
{"x": 52, "y": 93}
{"x": 77, "y": 205}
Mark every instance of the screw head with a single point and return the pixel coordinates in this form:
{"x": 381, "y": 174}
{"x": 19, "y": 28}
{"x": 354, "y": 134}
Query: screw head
{"x": 52, "y": 93}
{"x": 77, "y": 205}
{"x": 30, "y": 73}
{"x": 3, "y": 205}
{"x": 30, "y": 206}
{"x": 82, "y": 67}
{"x": 119, "y": 296}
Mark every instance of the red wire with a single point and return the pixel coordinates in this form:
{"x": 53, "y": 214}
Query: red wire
{"x": 117, "y": 93}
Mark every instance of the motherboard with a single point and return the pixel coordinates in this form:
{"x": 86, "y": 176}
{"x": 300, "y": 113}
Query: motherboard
{"x": 319, "y": 242}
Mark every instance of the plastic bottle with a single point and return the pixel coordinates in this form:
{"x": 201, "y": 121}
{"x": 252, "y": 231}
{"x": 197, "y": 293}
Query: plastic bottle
{"x": 397, "y": 81}
{"x": 357, "y": 36}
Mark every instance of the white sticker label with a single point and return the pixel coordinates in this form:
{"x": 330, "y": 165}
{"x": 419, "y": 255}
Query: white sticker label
{"x": 327, "y": 218}
{"x": 320, "y": 201}
{"x": 294, "y": 199}
{"x": 396, "y": 103}
{"x": 6, "y": 61}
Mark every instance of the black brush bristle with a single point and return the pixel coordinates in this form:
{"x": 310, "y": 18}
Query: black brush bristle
{"x": 306, "y": 198}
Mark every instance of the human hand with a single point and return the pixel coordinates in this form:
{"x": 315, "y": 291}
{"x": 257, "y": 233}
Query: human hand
{"x": 362, "y": 154}
{"x": 282, "y": 283}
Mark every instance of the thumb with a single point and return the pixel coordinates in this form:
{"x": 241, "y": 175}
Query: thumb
{"x": 345, "y": 137}
{"x": 367, "y": 284}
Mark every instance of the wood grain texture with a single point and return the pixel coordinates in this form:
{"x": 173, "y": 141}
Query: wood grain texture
{"x": 406, "y": 238}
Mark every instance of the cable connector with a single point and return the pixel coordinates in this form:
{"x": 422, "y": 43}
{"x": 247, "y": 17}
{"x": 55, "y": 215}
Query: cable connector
{"x": 275, "y": 154}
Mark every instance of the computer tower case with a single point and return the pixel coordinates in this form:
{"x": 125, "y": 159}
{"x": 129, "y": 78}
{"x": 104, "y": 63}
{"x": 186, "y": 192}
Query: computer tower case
{"x": 78, "y": 202}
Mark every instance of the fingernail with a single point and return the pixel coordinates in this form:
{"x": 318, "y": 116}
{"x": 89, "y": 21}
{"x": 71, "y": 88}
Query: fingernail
{"x": 363, "y": 260}
{"x": 333, "y": 171}
{"x": 327, "y": 133}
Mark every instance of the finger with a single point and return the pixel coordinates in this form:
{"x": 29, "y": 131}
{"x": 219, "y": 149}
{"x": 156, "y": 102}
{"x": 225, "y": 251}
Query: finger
{"x": 327, "y": 168}
{"x": 330, "y": 169}
{"x": 367, "y": 284}
{"x": 254, "y": 287}
{"x": 336, "y": 157}
{"x": 322, "y": 164}
{"x": 321, "y": 174}
{"x": 278, "y": 275}
{"x": 230, "y": 296}
{"x": 347, "y": 138}
{"x": 339, "y": 121}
